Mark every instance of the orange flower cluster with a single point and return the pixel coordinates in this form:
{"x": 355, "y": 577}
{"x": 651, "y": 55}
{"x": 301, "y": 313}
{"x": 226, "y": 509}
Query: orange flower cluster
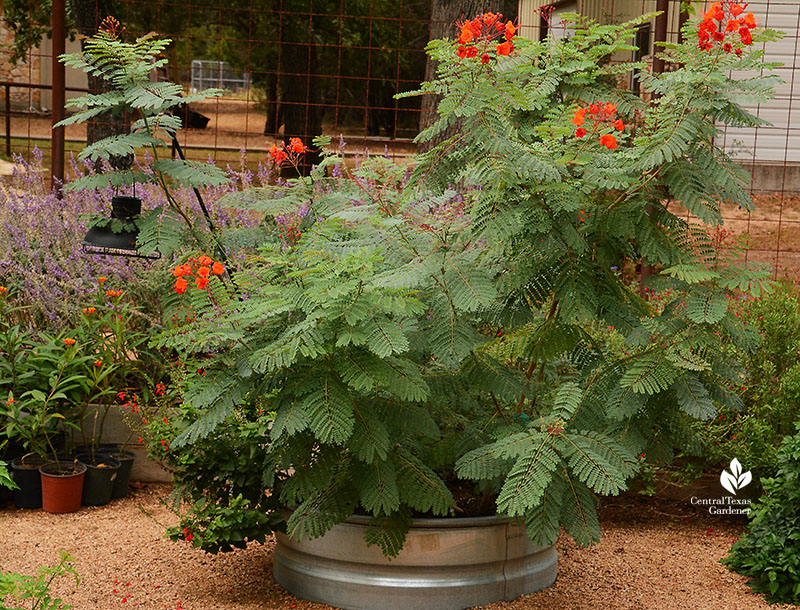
{"x": 477, "y": 35}
{"x": 69, "y": 341}
{"x": 602, "y": 117}
{"x": 113, "y": 293}
{"x": 721, "y": 19}
{"x": 291, "y": 152}
{"x": 98, "y": 363}
{"x": 200, "y": 268}
{"x": 3, "y": 289}
{"x": 101, "y": 279}
{"x": 87, "y": 311}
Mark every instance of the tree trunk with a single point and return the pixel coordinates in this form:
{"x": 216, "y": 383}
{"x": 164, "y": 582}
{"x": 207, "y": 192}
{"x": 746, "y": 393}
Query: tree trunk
{"x": 300, "y": 109}
{"x": 444, "y": 15}
{"x": 89, "y": 14}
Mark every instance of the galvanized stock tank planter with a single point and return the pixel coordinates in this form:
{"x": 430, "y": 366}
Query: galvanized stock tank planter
{"x": 446, "y": 564}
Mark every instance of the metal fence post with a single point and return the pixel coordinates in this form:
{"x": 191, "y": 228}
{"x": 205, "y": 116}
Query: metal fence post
{"x": 59, "y": 42}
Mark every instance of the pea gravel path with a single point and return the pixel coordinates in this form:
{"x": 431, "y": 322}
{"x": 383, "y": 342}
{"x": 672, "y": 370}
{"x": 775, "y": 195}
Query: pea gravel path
{"x": 655, "y": 554}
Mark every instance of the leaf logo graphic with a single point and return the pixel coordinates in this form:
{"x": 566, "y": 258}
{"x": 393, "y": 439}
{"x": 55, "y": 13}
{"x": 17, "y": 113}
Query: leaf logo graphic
{"x": 735, "y": 479}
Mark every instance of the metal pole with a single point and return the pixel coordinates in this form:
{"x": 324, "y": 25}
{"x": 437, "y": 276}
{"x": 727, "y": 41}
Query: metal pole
{"x": 59, "y": 41}
{"x": 8, "y": 121}
{"x": 660, "y": 35}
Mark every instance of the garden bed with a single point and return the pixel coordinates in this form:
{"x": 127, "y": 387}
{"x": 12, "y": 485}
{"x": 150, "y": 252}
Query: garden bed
{"x": 655, "y": 553}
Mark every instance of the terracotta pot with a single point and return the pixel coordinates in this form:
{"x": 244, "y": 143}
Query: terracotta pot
{"x": 61, "y": 493}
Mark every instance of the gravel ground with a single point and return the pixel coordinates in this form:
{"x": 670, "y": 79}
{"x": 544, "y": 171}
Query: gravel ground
{"x": 655, "y": 554}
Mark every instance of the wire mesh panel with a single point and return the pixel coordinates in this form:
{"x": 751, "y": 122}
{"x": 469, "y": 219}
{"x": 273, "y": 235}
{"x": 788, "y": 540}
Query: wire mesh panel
{"x": 300, "y": 68}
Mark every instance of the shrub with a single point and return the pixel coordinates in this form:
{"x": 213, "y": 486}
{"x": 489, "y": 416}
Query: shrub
{"x": 769, "y": 551}
{"x": 770, "y": 386}
{"x": 411, "y": 338}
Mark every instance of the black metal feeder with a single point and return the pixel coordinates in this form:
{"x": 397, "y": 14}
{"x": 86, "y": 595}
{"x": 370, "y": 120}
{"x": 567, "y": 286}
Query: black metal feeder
{"x": 103, "y": 240}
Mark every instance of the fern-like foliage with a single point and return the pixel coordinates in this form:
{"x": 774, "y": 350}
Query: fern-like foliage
{"x": 128, "y": 67}
{"x": 471, "y": 320}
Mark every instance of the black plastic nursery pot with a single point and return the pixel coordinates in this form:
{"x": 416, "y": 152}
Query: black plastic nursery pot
{"x": 100, "y": 476}
{"x": 123, "y": 479}
{"x": 25, "y": 472}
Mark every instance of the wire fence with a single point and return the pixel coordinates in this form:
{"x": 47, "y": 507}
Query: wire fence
{"x": 308, "y": 67}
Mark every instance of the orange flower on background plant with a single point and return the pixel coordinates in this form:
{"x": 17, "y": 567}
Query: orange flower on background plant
{"x": 180, "y": 285}
{"x": 619, "y": 125}
{"x": 218, "y": 268}
{"x": 101, "y": 279}
{"x": 580, "y": 132}
{"x": 203, "y": 272}
{"x": 580, "y": 117}
{"x": 3, "y": 289}
{"x": 98, "y": 363}
{"x": 201, "y": 283}
{"x": 714, "y": 27}
{"x": 609, "y": 141}
{"x": 69, "y": 341}
{"x": 477, "y": 36}
{"x": 278, "y": 155}
{"x": 296, "y": 146}
{"x": 113, "y": 293}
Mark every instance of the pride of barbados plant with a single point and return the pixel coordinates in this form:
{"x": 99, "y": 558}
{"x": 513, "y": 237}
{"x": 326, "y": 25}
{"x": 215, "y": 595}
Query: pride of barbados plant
{"x": 128, "y": 67}
{"x": 391, "y": 336}
{"x": 565, "y": 209}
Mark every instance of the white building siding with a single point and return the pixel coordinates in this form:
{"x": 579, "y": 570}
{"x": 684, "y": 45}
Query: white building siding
{"x": 780, "y": 142}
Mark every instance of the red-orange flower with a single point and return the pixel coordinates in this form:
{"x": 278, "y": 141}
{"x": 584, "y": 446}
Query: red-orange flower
{"x": 715, "y": 12}
{"x": 461, "y": 51}
{"x": 218, "y": 268}
{"x": 580, "y": 132}
{"x": 205, "y": 260}
{"x": 203, "y": 271}
{"x": 113, "y": 293}
{"x": 485, "y": 58}
{"x": 69, "y": 341}
{"x": 178, "y": 271}
{"x": 619, "y": 125}
{"x": 201, "y": 283}
{"x": 278, "y": 155}
{"x": 3, "y": 289}
{"x": 510, "y": 30}
{"x": 737, "y": 9}
{"x": 466, "y": 35}
{"x": 296, "y": 146}
{"x": 580, "y": 117}
{"x": 180, "y": 285}
{"x": 101, "y": 279}
{"x": 610, "y": 108}
{"x": 98, "y": 363}
{"x": 505, "y": 48}
{"x": 609, "y": 141}
{"x": 746, "y": 36}
{"x": 750, "y": 20}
